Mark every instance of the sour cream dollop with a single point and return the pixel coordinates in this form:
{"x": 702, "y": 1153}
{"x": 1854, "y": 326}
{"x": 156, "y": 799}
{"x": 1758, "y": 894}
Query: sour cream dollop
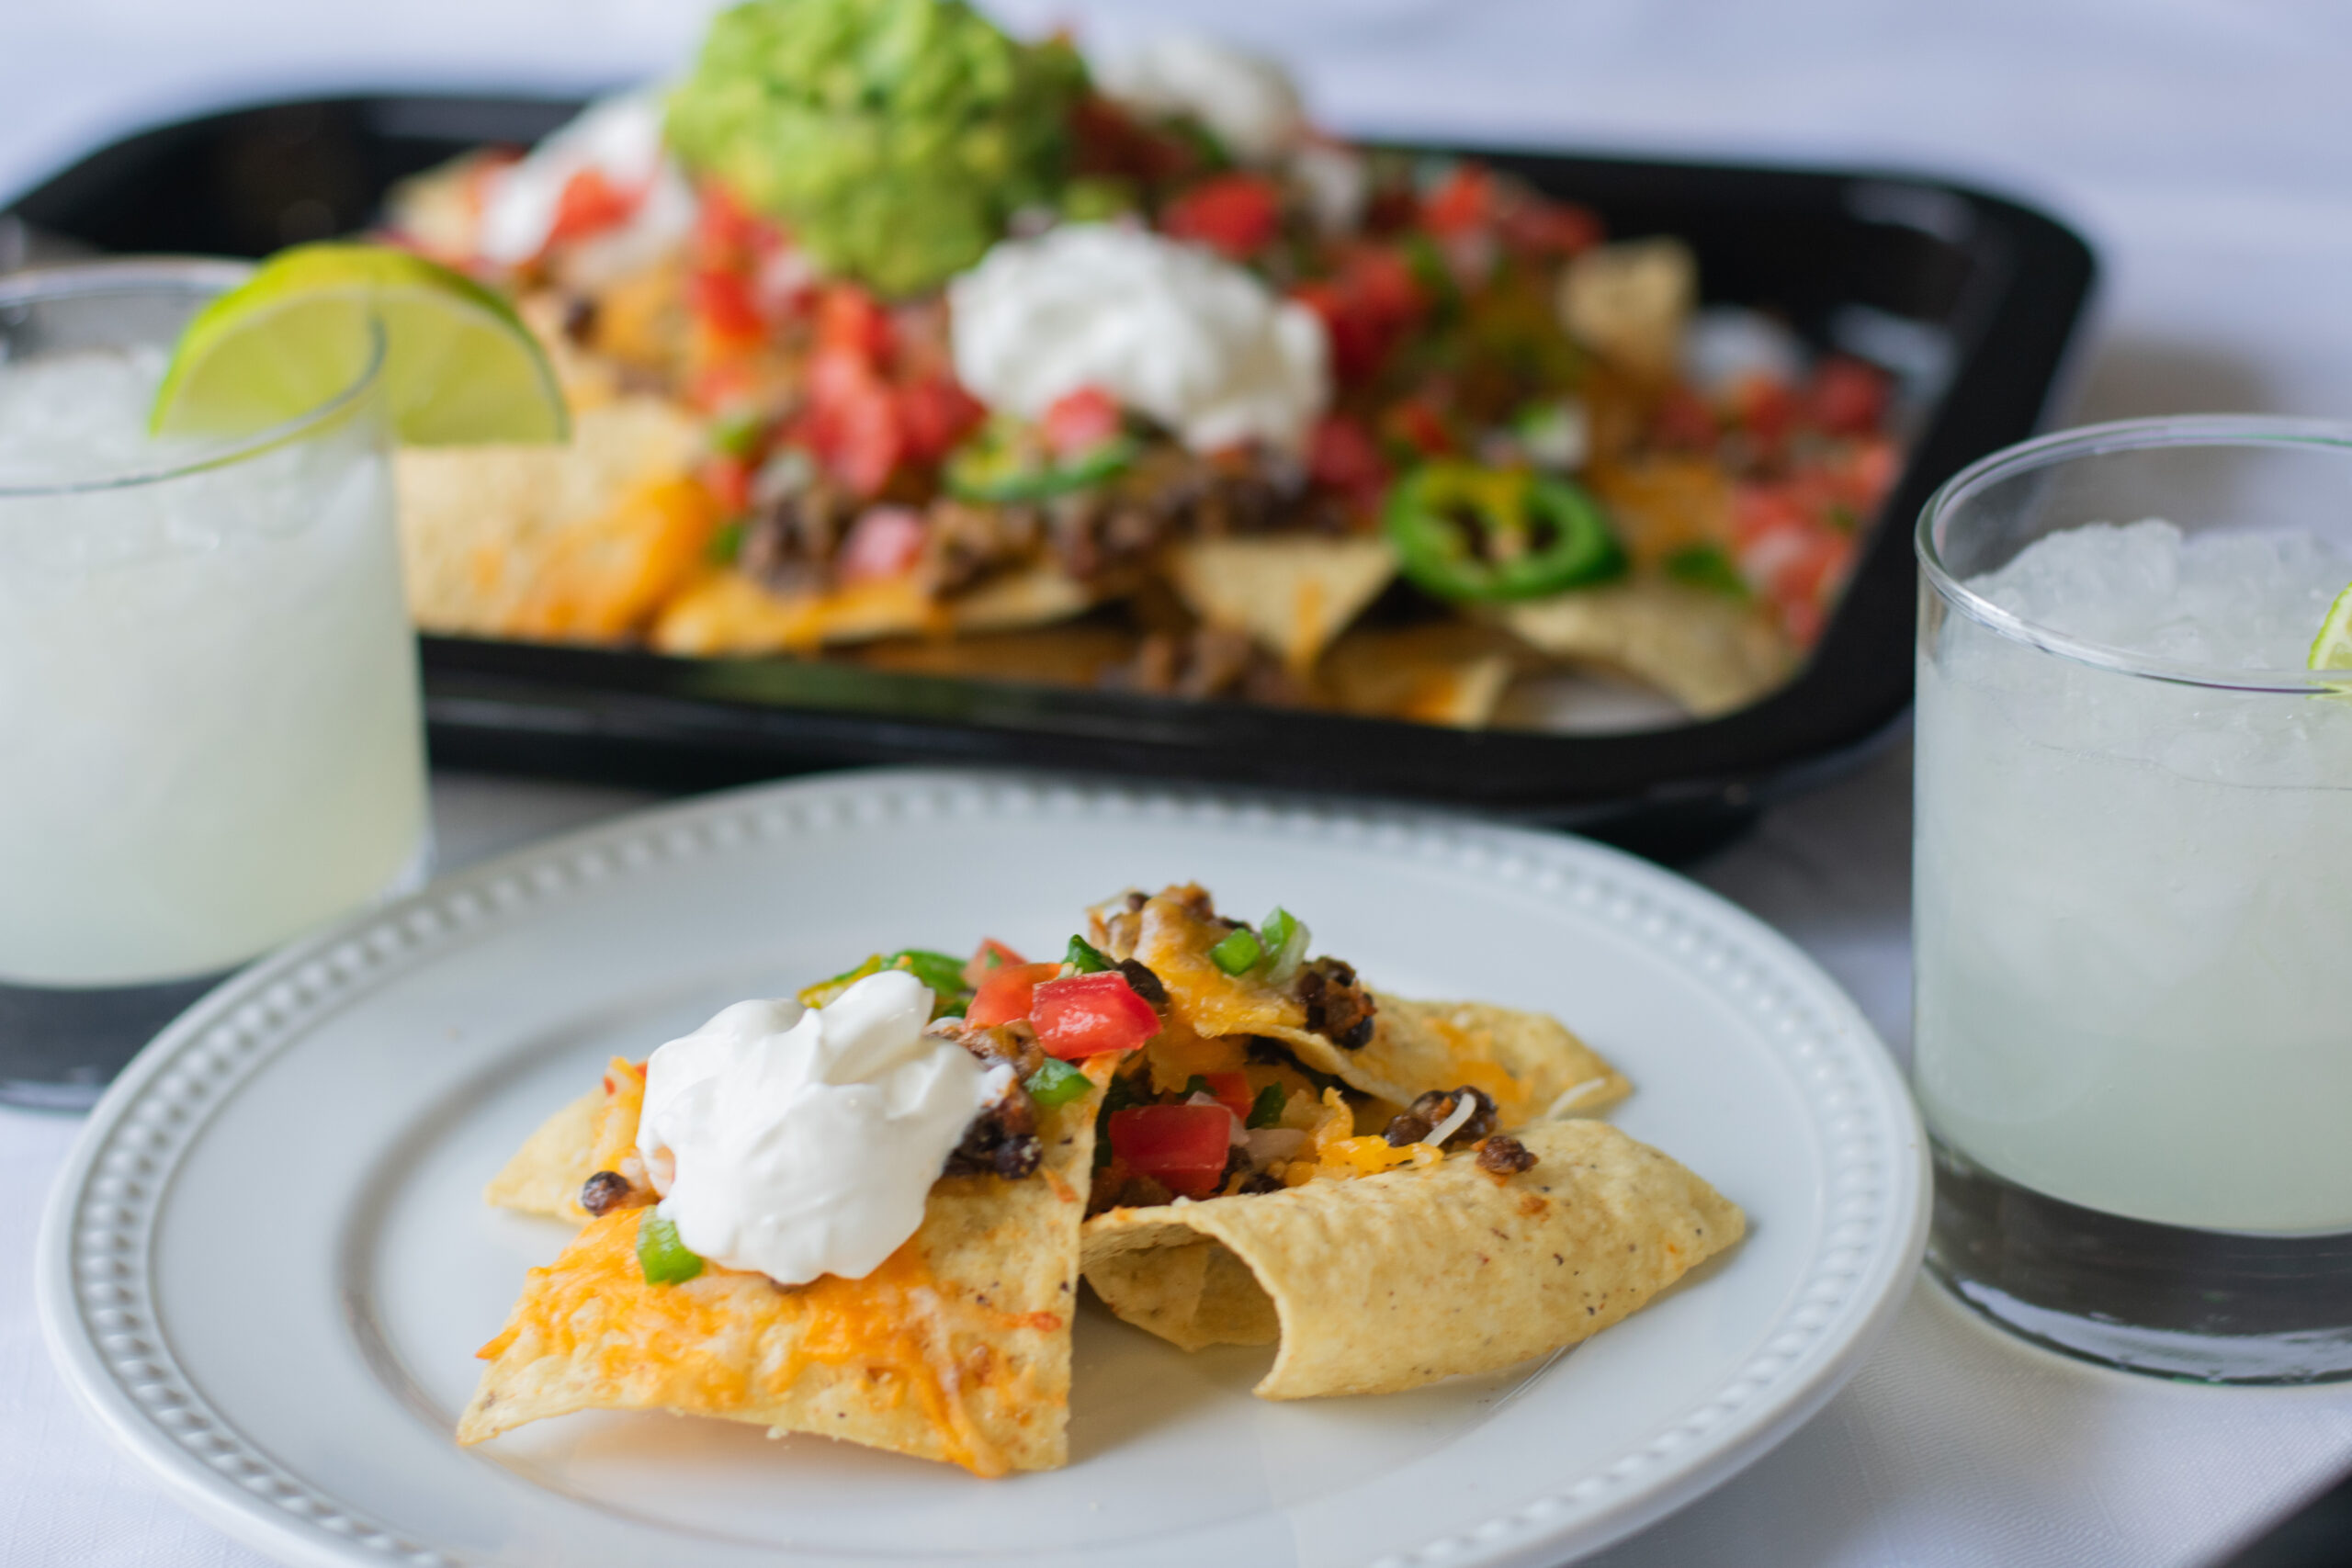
{"x": 1171, "y": 330}
{"x": 1249, "y": 102}
{"x": 799, "y": 1142}
{"x": 619, "y": 139}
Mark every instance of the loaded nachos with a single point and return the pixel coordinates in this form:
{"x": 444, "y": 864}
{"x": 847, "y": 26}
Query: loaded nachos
{"x": 893, "y": 338}
{"x": 865, "y": 1211}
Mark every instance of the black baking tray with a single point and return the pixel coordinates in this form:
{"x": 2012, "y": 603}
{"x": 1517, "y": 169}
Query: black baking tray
{"x": 1975, "y": 297}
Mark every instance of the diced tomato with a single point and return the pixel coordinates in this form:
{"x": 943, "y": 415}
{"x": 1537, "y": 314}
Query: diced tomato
{"x": 722, "y": 301}
{"x": 1369, "y": 304}
{"x": 1005, "y": 995}
{"x": 850, "y": 320}
{"x": 1237, "y": 214}
{"x": 993, "y": 955}
{"x": 1849, "y": 397}
{"x": 1080, "y": 422}
{"x": 1766, "y": 408}
{"x": 1232, "y": 1092}
{"x": 1416, "y": 424}
{"x": 1758, "y": 511}
{"x": 1684, "y": 421}
{"x": 884, "y": 543}
{"x": 1549, "y": 228}
{"x": 728, "y": 480}
{"x": 851, "y": 421}
{"x": 1086, "y": 1015}
{"x": 935, "y": 413}
{"x": 1343, "y": 455}
{"x": 1183, "y": 1146}
{"x": 729, "y": 234}
{"x": 590, "y": 202}
{"x": 1464, "y": 202}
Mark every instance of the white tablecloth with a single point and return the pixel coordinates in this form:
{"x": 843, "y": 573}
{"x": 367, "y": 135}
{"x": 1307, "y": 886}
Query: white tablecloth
{"x": 2201, "y": 144}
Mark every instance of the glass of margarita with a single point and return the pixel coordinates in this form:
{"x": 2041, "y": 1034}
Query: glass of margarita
{"x": 208, "y": 681}
{"x": 2133, "y": 895}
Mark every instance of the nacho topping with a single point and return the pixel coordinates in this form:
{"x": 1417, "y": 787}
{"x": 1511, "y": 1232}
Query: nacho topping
{"x": 802, "y": 1142}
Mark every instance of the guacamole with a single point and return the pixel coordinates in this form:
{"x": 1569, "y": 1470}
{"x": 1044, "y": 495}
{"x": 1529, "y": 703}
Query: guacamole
{"x": 893, "y": 138}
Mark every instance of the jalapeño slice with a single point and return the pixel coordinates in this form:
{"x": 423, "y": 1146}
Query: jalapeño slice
{"x": 1006, "y": 461}
{"x": 1468, "y": 533}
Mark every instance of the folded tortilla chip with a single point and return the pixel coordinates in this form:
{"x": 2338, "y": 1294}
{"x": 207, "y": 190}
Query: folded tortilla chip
{"x": 578, "y": 541}
{"x": 1453, "y": 672}
{"x": 957, "y": 1348}
{"x": 1390, "y": 1281}
{"x": 1707, "y": 651}
{"x": 1530, "y": 1064}
{"x": 727, "y": 613}
{"x": 1291, "y": 593}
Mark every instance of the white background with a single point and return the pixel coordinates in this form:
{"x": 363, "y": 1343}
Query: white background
{"x": 2205, "y": 146}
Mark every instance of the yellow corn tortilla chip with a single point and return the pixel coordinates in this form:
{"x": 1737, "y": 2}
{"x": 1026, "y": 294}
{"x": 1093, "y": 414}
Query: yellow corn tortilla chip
{"x": 1530, "y": 1064}
{"x": 1707, "y": 651}
{"x": 1292, "y": 593}
{"x": 727, "y": 613}
{"x": 580, "y": 540}
{"x": 1629, "y": 300}
{"x": 955, "y": 1348}
{"x": 1387, "y": 1282}
{"x": 546, "y": 1174}
{"x": 1451, "y": 673}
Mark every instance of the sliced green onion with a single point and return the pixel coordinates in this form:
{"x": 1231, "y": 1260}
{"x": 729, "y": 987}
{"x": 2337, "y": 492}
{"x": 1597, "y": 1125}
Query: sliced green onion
{"x": 738, "y": 434}
{"x": 942, "y": 974}
{"x": 1285, "y": 936}
{"x": 1239, "y": 953}
{"x": 666, "y": 1259}
{"x": 725, "y": 544}
{"x": 1706, "y": 566}
{"x": 1266, "y": 1111}
{"x": 1056, "y": 1083}
{"x": 1085, "y": 957}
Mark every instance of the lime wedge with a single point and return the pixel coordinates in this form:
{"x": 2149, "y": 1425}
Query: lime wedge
{"x": 2332, "y": 649}
{"x": 459, "y": 366}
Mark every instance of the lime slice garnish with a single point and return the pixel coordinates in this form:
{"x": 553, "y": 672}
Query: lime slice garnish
{"x": 460, "y": 364}
{"x": 2332, "y": 649}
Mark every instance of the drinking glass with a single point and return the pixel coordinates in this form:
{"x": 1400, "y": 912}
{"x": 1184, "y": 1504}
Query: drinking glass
{"x": 208, "y": 681}
{"x": 2134, "y": 918}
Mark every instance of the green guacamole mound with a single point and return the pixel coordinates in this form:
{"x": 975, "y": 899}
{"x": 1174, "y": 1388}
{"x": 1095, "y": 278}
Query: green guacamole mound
{"x": 893, "y": 138}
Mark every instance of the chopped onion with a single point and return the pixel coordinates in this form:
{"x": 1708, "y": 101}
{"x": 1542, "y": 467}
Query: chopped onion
{"x": 1463, "y": 1107}
{"x": 1268, "y": 1145}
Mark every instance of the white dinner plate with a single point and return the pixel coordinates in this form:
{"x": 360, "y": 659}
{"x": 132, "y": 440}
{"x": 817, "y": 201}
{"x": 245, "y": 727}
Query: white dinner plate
{"x": 268, "y": 1265}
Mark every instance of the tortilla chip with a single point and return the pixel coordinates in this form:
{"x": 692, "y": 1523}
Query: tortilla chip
{"x": 1390, "y": 1281}
{"x": 1452, "y": 673}
{"x": 955, "y": 1348}
{"x": 1629, "y": 300}
{"x": 1532, "y": 1065}
{"x": 546, "y": 1172}
{"x": 1292, "y": 593}
{"x": 580, "y": 540}
{"x": 727, "y": 612}
{"x": 1706, "y": 650}
{"x": 1663, "y": 503}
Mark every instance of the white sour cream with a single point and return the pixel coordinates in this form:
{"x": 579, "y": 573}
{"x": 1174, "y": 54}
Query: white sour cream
{"x": 620, "y": 137}
{"x": 1170, "y": 330}
{"x": 1249, "y": 102}
{"x": 797, "y": 1141}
